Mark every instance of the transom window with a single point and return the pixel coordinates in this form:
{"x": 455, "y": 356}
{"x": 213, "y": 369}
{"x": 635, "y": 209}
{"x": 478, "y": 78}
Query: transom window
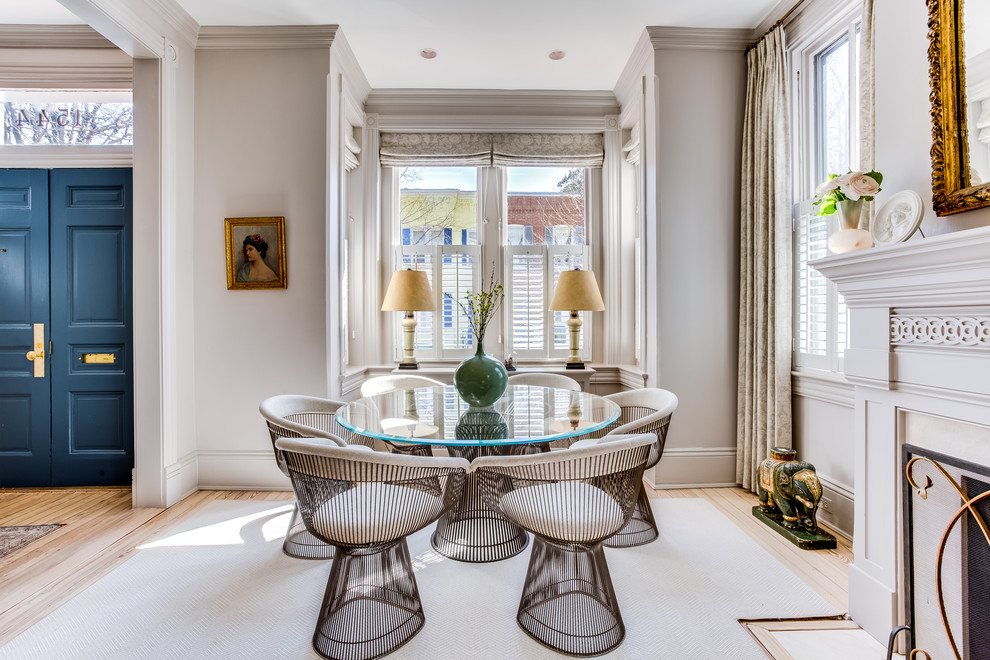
{"x": 97, "y": 118}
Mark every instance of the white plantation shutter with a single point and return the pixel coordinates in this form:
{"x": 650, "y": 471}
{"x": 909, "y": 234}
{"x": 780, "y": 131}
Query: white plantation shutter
{"x": 535, "y": 332}
{"x": 458, "y": 269}
{"x": 820, "y": 318}
{"x": 416, "y": 259}
{"x": 445, "y": 332}
{"x": 527, "y": 295}
{"x": 563, "y": 258}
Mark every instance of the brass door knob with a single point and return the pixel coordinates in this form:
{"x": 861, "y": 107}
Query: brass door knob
{"x": 32, "y": 355}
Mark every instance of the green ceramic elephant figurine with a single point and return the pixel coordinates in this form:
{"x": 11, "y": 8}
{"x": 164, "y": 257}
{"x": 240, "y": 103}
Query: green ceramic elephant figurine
{"x": 790, "y": 489}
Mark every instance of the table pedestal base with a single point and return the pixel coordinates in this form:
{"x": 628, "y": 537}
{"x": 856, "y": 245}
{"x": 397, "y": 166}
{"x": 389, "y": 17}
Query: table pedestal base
{"x": 472, "y": 531}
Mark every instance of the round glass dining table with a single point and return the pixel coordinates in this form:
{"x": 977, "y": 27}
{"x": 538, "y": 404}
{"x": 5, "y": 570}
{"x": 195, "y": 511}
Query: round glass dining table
{"x": 526, "y": 419}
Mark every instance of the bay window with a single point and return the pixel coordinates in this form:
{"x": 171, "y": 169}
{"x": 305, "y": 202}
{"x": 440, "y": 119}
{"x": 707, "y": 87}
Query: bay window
{"x": 462, "y": 225}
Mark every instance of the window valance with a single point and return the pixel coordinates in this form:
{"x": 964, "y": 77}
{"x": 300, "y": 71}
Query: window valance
{"x": 499, "y": 149}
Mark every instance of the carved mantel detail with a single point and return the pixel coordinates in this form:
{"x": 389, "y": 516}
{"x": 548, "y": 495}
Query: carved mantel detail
{"x": 963, "y": 331}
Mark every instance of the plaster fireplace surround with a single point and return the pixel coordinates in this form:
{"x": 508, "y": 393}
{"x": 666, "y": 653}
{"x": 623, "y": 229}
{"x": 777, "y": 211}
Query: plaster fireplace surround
{"x": 919, "y": 360}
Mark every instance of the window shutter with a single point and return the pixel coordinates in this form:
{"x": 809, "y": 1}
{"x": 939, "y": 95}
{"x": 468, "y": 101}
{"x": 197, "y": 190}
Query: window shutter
{"x": 527, "y": 287}
{"x": 457, "y": 279}
{"x": 420, "y": 259}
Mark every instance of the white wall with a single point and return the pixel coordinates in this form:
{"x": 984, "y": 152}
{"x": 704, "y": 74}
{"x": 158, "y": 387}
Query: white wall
{"x": 692, "y": 116}
{"x": 260, "y": 151}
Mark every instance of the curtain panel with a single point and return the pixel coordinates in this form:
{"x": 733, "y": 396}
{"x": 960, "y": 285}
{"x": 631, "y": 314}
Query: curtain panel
{"x": 486, "y": 149}
{"x": 764, "y": 380}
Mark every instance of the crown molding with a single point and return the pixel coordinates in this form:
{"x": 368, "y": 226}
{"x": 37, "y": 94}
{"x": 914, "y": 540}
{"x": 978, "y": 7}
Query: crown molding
{"x": 490, "y": 124}
{"x": 262, "y": 37}
{"x": 355, "y": 82}
{"x": 629, "y": 86}
{"x": 52, "y": 36}
{"x": 566, "y": 105}
{"x": 178, "y": 18}
{"x": 731, "y": 39}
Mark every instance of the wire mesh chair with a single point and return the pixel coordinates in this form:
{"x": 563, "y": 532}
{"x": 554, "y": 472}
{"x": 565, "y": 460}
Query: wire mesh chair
{"x": 384, "y": 384}
{"x": 366, "y": 503}
{"x": 571, "y": 501}
{"x": 646, "y": 410}
{"x": 298, "y": 416}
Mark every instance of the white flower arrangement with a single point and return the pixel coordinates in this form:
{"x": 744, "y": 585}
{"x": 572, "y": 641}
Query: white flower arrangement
{"x": 851, "y": 186}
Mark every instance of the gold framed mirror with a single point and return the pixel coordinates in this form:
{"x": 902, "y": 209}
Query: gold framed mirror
{"x": 960, "y": 108}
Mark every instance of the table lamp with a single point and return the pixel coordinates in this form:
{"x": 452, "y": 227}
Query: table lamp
{"x": 408, "y": 291}
{"x": 576, "y": 290}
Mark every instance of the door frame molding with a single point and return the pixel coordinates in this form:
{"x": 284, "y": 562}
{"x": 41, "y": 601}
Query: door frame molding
{"x": 160, "y": 37}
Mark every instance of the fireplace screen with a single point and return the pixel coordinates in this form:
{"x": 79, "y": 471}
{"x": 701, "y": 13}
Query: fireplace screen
{"x": 947, "y": 555}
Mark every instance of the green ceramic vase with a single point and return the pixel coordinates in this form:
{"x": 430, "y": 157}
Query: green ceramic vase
{"x": 481, "y": 379}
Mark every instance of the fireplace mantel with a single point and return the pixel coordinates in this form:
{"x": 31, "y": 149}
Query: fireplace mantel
{"x": 919, "y": 344}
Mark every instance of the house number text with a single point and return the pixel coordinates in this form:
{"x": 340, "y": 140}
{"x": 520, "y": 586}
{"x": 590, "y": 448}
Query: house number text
{"x": 63, "y": 117}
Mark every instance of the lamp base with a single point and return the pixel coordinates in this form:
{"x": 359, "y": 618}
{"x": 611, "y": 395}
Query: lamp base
{"x": 574, "y": 365}
{"x": 409, "y": 365}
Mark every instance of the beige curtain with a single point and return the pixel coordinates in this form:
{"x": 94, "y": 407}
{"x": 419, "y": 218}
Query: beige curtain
{"x": 764, "y": 385}
{"x": 867, "y": 100}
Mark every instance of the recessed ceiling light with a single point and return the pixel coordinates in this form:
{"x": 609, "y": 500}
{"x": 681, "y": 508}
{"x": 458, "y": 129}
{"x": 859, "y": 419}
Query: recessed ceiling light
{"x": 427, "y": 53}
{"x": 557, "y": 54}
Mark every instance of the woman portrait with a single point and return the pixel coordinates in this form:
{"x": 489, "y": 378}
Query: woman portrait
{"x": 255, "y": 253}
{"x": 255, "y": 249}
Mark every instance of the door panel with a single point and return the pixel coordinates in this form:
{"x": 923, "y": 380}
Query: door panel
{"x": 92, "y": 381}
{"x": 25, "y": 401}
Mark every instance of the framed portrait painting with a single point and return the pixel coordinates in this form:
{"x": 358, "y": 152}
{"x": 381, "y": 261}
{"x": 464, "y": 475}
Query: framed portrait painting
{"x": 256, "y": 253}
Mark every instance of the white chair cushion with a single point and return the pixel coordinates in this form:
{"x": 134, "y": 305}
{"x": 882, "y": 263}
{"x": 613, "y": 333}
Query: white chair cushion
{"x": 374, "y": 513}
{"x": 568, "y": 511}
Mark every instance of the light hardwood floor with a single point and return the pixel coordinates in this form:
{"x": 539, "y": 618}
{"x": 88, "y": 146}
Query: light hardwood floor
{"x": 102, "y": 530}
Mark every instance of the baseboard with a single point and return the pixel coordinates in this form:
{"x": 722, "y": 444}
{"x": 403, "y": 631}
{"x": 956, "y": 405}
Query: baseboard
{"x": 837, "y": 508}
{"x": 181, "y": 479}
{"x": 694, "y": 467}
{"x": 240, "y": 470}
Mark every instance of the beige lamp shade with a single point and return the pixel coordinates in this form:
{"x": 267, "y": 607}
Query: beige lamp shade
{"x": 577, "y": 290}
{"x": 408, "y": 291}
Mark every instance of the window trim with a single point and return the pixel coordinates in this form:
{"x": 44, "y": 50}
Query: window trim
{"x": 807, "y": 45}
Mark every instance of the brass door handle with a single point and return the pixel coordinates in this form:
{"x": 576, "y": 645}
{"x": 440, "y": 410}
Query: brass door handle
{"x": 38, "y": 354}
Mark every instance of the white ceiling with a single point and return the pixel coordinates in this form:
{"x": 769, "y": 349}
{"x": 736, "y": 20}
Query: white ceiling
{"x": 500, "y": 44}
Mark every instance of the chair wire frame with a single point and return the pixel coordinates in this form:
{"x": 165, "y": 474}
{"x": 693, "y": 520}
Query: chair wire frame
{"x": 642, "y": 526}
{"x": 366, "y": 508}
{"x": 571, "y": 502}
{"x": 306, "y": 417}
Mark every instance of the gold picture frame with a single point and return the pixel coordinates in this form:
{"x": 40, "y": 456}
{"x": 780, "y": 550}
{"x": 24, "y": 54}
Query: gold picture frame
{"x": 951, "y": 189}
{"x": 255, "y": 253}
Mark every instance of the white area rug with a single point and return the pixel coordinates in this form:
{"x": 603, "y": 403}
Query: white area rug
{"x": 218, "y": 586}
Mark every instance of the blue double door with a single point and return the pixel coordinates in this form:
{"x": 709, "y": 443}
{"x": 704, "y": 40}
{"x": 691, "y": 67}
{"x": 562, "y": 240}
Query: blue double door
{"x": 66, "y": 377}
